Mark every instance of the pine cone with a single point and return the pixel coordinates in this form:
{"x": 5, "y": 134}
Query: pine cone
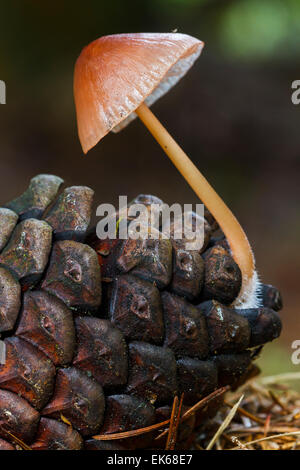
{"x": 87, "y": 357}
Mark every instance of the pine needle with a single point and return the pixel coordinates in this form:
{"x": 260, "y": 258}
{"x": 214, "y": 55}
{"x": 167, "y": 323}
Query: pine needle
{"x": 267, "y": 425}
{"x": 18, "y": 441}
{"x": 268, "y": 438}
{"x": 261, "y": 430}
{"x": 198, "y": 406}
{"x": 246, "y": 414}
{"x": 225, "y": 424}
{"x": 135, "y": 432}
{"x": 174, "y": 423}
{"x": 278, "y": 402}
{"x": 202, "y": 403}
{"x": 65, "y": 420}
{"x": 272, "y": 379}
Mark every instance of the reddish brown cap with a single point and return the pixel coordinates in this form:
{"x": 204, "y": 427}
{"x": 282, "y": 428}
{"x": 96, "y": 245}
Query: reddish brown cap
{"x": 115, "y": 74}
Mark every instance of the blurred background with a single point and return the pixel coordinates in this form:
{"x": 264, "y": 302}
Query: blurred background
{"x": 232, "y": 114}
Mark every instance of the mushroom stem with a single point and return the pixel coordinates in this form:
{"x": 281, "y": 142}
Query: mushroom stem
{"x": 236, "y": 237}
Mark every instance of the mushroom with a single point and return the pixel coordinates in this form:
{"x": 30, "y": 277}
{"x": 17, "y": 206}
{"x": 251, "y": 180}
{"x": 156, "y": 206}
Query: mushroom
{"x": 117, "y": 78}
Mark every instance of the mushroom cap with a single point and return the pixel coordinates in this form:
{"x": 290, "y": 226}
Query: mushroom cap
{"x": 115, "y": 74}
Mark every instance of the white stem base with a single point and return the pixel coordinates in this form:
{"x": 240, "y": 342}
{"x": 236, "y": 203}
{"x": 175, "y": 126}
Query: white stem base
{"x": 250, "y": 293}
